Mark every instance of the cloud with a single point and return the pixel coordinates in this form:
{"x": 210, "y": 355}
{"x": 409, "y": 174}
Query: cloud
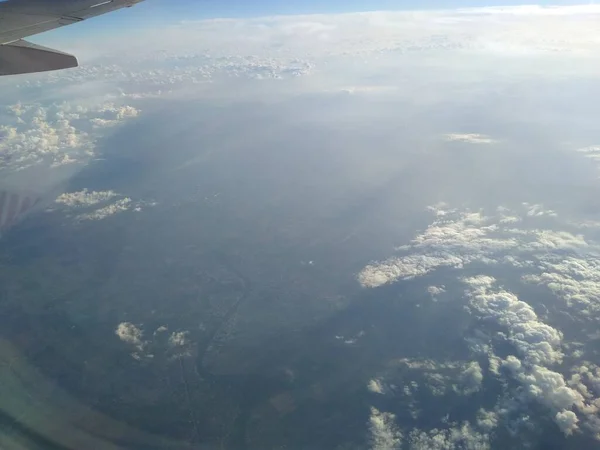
{"x": 538, "y": 211}
{"x": 442, "y": 377}
{"x": 119, "y": 206}
{"x": 180, "y": 344}
{"x": 200, "y": 54}
{"x": 178, "y": 339}
{"x": 536, "y": 10}
{"x": 456, "y": 239}
{"x": 85, "y": 198}
{"x": 132, "y": 335}
{"x": 566, "y": 421}
{"x": 129, "y": 333}
{"x": 384, "y": 432}
{"x": 470, "y": 379}
{"x": 176, "y": 345}
{"x": 376, "y": 386}
{"x": 113, "y": 115}
{"x": 470, "y": 138}
{"x": 591, "y": 152}
{"x": 538, "y": 349}
{"x": 564, "y": 262}
{"x": 50, "y": 136}
{"x": 422, "y": 378}
{"x": 463, "y": 436}
{"x": 574, "y": 279}
{"x": 487, "y": 420}
{"x": 435, "y": 291}
{"x": 537, "y": 342}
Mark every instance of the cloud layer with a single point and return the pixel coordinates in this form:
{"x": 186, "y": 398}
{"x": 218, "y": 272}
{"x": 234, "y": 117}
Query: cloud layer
{"x": 563, "y": 261}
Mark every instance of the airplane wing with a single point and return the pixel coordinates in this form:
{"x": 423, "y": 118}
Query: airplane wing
{"x": 23, "y": 18}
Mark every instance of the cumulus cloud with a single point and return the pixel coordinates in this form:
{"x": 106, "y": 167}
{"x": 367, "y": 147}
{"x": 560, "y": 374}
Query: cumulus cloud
{"x": 132, "y": 335}
{"x": 463, "y": 436}
{"x": 180, "y": 344}
{"x": 456, "y": 239}
{"x": 113, "y": 115}
{"x": 435, "y": 291}
{"x": 119, "y": 206}
{"x": 176, "y": 345}
{"x": 53, "y": 135}
{"x": 537, "y": 342}
{"x": 422, "y": 378}
{"x": 85, "y": 198}
{"x": 564, "y": 262}
{"x": 384, "y": 432}
{"x": 566, "y": 421}
{"x": 538, "y": 349}
{"x": 375, "y": 386}
{"x": 574, "y": 279}
{"x": 470, "y": 379}
{"x": 442, "y": 377}
{"x": 129, "y": 333}
{"x": 178, "y": 339}
{"x": 487, "y": 420}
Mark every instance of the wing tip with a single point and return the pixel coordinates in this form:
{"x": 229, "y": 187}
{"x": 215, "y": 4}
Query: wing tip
{"x": 22, "y": 57}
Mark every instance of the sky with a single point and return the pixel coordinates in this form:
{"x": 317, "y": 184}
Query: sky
{"x": 160, "y": 12}
{"x": 237, "y": 8}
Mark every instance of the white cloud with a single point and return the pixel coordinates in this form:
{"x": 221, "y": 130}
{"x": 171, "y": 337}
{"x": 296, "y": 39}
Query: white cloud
{"x": 88, "y": 200}
{"x": 592, "y": 152}
{"x": 376, "y": 386}
{"x": 538, "y": 211}
{"x": 563, "y": 261}
{"x": 457, "y": 239}
{"x": 574, "y": 279}
{"x": 435, "y": 291}
{"x": 536, "y": 10}
{"x": 113, "y": 115}
{"x": 538, "y": 350}
{"x": 470, "y": 379}
{"x": 132, "y": 335}
{"x": 118, "y": 207}
{"x": 199, "y": 54}
{"x": 85, "y": 198}
{"x": 442, "y": 377}
{"x": 470, "y": 138}
{"x": 566, "y": 421}
{"x": 487, "y": 420}
{"x": 53, "y": 135}
{"x": 537, "y": 342}
{"x": 463, "y": 436}
{"x": 386, "y": 31}
{"x": 129, "y": 333}
{"x": 180, "y": 344}
{"x": 384, "y": 432}
{"x": 178, "y": 338}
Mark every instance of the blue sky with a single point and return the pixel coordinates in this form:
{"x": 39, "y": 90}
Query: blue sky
{"x": 219, "y": 8}
{"x": 154, "y": 13}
